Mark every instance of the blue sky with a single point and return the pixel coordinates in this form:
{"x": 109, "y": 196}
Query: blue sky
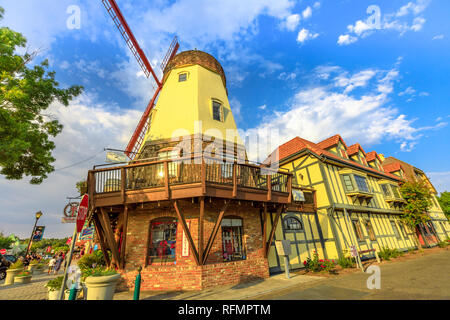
{"x": 308, "y": 68}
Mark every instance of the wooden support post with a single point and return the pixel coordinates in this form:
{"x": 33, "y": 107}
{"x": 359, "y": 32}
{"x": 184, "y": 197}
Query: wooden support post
{"x": 234, "y": 180}
{"x": 91, "y": 189}
{"x": 203, "y": 178}
{"x": 272, "y": 232}
{"x": 187, "y": 232}
{"x": 124, "y": 237}
{"x": 101, "y": 238}
{"x": 213, "y": 235}
{"x": 201, "y": 229}
{"x": 166, "y": 179}
{"x": 106, "y": 225}
{"x": 123, "y": 178}
{"x": 264, "y": 233}
{"x": 289, "y": 188}
{"x": 269, "y": 187}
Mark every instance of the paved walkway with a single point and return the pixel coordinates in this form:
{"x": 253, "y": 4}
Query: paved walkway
{"x": 233, "y": 292}
{"x": 424, "y": 277}
{"x": 35, "y": 290}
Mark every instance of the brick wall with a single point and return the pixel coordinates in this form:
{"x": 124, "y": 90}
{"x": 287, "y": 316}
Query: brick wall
{"x": 185, "y": 274}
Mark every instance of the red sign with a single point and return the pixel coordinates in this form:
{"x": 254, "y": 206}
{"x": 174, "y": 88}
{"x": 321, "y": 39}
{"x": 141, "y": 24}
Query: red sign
{"x": 82, "y": 212}
{"x": 3, "y": 251}
{"x": 69, "y": 240}
{"x": 49, "y": 249}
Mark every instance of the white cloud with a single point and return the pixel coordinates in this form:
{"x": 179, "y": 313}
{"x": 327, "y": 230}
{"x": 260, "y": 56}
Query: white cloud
{"x": 316, "y": 5}
{"x": 440, "y": 180}
{"x": 408, "y": 91}
{"x": 346, "y": 39}
{"x": 287, "y": 76}
{"x": 438, "y": 37}
{"x": 291, "y": 22}
{"x": 307, "y": 13}
{"x": 263, "y": 107}
{"x": 319, "y": 111}
{"x": 305, "y": 35}
{"x": 399, "y": 21}
{"x": 88, "y": 128}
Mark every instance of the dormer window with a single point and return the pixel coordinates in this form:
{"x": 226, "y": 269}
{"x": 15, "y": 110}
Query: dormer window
{"x": 182, "y": 77}
{"x": 217, "y": 109}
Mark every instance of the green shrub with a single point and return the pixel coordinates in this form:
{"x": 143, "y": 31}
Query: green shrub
{"x": 317, "y": 265}
{"x": 442, "y": 244}
{"x": 89, "y": 260}
{"x": 34, "y": 261}
{"x": 97, "y": 272}
{"x": 387, "y": 253}
{"x": 346, "y": 262}
{"x": 17, "y": 265}
{"x": 55, "y": 284}
{"x": 24, "y": 274}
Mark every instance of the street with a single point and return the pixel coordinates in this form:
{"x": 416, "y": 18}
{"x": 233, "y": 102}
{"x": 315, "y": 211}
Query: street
{"x": 424, "y": 277}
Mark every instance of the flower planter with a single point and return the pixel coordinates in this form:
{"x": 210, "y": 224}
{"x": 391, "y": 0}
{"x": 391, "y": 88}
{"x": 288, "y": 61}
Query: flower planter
{"x": 101, "y": 288}
{"x": 53, "y": 294}
{"x": 10, "y": 274}
{"x": 22, "y": 280}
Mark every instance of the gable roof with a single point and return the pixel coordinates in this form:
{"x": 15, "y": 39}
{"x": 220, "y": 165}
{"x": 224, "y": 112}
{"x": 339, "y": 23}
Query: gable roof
{"x": 372, "y": 155}
{"x": 354, "y": 149}
{"x": 331, "y": 141}
{"x": 392, "y": 167}
{"x": 298, "y": 144}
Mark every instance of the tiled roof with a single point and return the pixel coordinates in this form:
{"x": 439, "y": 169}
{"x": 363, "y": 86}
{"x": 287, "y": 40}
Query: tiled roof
{"x": 370, "y": 156}
{"x": 331, "y": 141}
{"x": 298, "y": 144}
{"x": 354, "y": 149}
{"x": 392, "y": 167}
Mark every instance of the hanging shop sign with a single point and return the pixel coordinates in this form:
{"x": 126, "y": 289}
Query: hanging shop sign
{"x": 87, "y": 234}
{"x": 184, "y": 243}
{"x": 70, "y": 212}
{"x": 114, "y": 157}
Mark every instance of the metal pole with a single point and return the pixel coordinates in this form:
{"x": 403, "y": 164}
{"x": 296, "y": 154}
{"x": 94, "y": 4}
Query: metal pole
{"x": 31, "y": 237}
{"x": 69, "y": 261}
{"x": 286, "y": 266}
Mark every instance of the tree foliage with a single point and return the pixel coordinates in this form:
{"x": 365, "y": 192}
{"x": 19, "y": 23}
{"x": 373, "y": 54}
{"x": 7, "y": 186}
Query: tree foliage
{"x": 418, "y": 200}
{"x": 5, "y": 242}
{"x": 25, "y": 93}
{"x": 444, "y": 201}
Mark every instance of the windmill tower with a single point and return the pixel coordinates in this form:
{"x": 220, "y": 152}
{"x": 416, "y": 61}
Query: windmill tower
{"x": 190, "y": 104}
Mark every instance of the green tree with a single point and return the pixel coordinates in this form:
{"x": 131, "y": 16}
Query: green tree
{"x": 5, "y": 242}
{"x": 444, "y": 201}
{"x": 25, "y": 93}
{"x": 418, "y": 200}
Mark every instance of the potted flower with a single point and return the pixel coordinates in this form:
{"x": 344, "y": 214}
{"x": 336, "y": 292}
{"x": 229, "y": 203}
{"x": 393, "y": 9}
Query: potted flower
{"x": 13, "y": 270}
{"x": 33, "y": 264}
{"x": 54, "y": 287}
{"x": 101, "y": 283}
{"x": 23, "y": 277}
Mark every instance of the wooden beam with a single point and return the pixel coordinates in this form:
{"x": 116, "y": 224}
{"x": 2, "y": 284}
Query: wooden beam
{"x": 106, "y": 225}
{"x": 269, "y": 187}
{"x": 264, "y": 233}
{"x": 272, "y": 232}
{"x": 124, "y": 237}
{"x": 123, "y": 177}
{"x": 166, "y": 179}
{"x": 101, "y": 239}
{"x": 213, "y": 235}
{"x": 234, "y": 180}
{"x": 187, "y": 232}
{"x": 289, "y": 188}
{"x": 201, "y": 228}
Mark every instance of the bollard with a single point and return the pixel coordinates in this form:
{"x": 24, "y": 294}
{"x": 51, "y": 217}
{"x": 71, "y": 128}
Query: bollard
{"x": 73, "y": 292}
{"x": 137, "y": 285}
{"x": 286, "y": 267}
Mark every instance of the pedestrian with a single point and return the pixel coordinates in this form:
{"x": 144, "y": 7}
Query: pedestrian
{"x": 58, "y": 263}
{"x": 51, "y": 264}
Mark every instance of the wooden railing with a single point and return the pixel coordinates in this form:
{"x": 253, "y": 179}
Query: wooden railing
{"x": 165, "y": 173}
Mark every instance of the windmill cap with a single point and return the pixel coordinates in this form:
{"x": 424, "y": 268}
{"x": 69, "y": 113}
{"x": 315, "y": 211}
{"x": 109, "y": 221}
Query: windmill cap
{"x": 197, "y": 57}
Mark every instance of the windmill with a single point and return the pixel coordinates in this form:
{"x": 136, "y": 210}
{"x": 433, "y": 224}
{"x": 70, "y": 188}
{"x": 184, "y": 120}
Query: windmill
{"x": 139, "y": 133}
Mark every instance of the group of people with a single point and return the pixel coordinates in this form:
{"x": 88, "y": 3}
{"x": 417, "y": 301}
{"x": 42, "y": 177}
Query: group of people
{"x": 30, "y": 257}
{"x": 56, "y": 262}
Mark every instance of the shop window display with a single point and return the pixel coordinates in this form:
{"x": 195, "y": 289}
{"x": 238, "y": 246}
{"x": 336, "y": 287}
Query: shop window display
{"x": 232, "y": 244}
{"x": 162, "y": 247}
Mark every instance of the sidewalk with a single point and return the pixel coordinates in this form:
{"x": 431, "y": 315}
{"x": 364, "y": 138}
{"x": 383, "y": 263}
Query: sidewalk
{"x": 234, "y": 292}
{"x": 35, "y": 290}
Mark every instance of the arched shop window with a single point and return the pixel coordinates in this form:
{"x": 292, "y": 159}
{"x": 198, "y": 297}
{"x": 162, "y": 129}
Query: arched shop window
{"x": 292, "y": 224}
{"x": 163, "y": 240}
{"x": 232, "y": 244}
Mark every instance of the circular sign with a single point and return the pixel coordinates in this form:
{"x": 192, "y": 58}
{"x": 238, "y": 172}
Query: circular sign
{"x": 70, "y": 210}
{"x": 82, "y": 212}
{"x": 3, "y": 251}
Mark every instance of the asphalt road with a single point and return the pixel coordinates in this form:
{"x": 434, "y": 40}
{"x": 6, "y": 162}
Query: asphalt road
{"x": 421, "y": 278}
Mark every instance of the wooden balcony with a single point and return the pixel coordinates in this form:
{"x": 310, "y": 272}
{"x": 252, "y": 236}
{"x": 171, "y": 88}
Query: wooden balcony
{"x": 185, "y": 178}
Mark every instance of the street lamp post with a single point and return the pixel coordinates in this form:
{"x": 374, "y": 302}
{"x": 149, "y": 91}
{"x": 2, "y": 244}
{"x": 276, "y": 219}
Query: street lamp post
{"x": 38, "y": 215}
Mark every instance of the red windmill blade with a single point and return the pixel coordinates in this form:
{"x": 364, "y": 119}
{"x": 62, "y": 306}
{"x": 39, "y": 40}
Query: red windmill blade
{"x": 119, "y": 20}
